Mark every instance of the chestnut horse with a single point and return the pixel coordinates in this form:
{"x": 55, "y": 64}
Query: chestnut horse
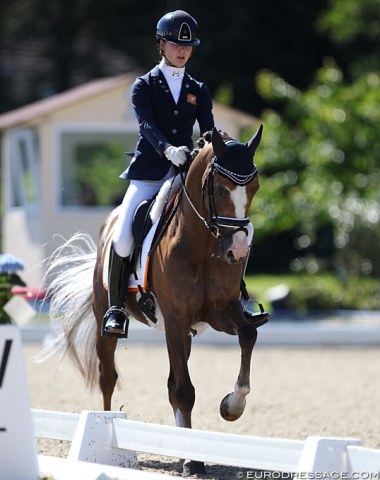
{"x": 195, "y": 275}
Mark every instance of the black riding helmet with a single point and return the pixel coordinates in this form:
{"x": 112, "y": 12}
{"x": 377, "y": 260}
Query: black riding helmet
{"x": 178, "y": 27}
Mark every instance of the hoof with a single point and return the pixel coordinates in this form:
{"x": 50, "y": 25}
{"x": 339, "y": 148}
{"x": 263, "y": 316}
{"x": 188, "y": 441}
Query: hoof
{"x": 229, "y": 410}
{"x": 192, "y": 467}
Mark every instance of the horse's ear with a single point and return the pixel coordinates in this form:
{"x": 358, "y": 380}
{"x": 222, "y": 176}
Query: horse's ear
{"x": 217, "y": 143}
{"x": 255, "y": 140}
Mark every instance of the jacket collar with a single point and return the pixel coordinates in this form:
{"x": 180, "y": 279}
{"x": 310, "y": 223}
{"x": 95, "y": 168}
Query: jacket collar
{"x": 156, "y": 72}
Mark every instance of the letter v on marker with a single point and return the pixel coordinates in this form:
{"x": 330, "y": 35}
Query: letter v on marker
{"x": 4, "y": 360}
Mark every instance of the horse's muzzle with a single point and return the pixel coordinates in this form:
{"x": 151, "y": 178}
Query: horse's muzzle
{"x": 230, "y": 258}
{"x": 234, "y": 249}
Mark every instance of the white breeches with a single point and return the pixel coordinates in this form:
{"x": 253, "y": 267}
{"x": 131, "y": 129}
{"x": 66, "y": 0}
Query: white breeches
{"x": 138, "y": 191}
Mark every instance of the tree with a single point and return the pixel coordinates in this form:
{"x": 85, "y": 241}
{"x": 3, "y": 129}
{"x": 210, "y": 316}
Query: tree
{"x": 354, "y": 28}
{"x": 319, "y": 164}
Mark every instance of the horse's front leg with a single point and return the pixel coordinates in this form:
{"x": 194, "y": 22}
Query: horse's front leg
{"x": 233, "y": 404}
{"x": 181, "y": 390}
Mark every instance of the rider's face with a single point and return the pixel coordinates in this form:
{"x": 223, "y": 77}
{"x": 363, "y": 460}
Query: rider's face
{"x": 176, "y": 55}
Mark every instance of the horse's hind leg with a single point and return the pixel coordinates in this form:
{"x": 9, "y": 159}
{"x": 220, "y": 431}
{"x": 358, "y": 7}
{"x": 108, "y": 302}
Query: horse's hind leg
{"x": 105, "y": 347}
{"x": 233, "y": 404}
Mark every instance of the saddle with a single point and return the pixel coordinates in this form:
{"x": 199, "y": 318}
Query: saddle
{"x": 142, "y": 223}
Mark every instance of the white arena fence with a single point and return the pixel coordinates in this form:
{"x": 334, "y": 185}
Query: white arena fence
{"x": 109, "y": 438}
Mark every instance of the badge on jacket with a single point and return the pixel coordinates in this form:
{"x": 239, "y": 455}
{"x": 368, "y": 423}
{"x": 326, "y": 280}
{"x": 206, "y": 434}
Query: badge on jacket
{"x": 190, "y": 98}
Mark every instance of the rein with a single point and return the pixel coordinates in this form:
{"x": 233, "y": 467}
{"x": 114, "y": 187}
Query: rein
{"x": 216, "y": 224}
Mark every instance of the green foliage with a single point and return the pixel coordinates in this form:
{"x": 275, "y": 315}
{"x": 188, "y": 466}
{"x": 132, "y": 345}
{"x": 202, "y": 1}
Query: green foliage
{"x": 354, "y": 27}
{"x": 319, "y": 164}
{"x": 258, "y": 284}
{"x": 346, "y": 19}
{"x": 358, "y": 293}
{"x": 319, "y": 292}
{"x": 224, "y": 94}
{"x": 7, "y": 281}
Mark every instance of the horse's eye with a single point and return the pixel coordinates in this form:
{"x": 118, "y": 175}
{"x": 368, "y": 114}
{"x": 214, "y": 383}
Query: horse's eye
{"x": 221, "y": 191}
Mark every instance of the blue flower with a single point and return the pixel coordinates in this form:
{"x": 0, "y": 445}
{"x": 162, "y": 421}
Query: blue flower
{"x": 10, "y": 264}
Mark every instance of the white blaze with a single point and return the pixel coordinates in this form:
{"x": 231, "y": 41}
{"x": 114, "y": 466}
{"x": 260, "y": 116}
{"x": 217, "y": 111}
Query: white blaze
{"x": 240, "y": 240}
{"x": 239, "y": 199}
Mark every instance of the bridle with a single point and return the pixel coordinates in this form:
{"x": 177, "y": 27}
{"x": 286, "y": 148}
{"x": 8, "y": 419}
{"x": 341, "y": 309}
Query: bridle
{"x": 220, "y": 227}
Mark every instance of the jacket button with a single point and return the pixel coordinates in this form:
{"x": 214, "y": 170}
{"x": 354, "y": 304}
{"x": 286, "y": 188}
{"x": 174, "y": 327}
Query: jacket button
{"x": 175, "y": 112}
{"x": 174, "y": 130}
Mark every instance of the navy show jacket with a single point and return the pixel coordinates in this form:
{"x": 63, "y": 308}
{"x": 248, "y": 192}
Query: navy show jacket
{"x": 162, "y": 122}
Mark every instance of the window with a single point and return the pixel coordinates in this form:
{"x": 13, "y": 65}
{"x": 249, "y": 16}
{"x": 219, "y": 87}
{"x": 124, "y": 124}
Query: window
{"x": 24, "y": 176}
{"x": 91, "y": 163}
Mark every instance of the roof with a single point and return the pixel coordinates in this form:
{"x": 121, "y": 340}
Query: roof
{"x": 62, "y": 100}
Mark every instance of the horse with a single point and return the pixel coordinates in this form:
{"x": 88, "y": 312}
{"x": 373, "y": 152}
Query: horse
{"x": 194, "y": 276}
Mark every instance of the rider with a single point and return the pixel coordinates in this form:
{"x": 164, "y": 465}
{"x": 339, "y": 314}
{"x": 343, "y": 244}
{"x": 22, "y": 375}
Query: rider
{"x": 167, "y": 102}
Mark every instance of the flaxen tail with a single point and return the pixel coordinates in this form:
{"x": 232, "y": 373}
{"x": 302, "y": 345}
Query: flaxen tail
{"x": 69, "y": 284}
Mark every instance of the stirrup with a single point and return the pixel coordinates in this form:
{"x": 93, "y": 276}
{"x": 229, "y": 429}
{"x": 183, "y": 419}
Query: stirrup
{"x": 256, "y": 319}
{"x": 121, "y": 322}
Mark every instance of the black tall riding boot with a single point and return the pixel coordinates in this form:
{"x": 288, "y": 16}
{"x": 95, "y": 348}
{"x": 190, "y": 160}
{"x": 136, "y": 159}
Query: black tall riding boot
{"x": 116, "y": 321}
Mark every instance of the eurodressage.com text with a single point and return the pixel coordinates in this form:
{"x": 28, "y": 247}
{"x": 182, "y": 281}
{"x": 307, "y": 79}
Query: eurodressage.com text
{"x": 261, "y": 475}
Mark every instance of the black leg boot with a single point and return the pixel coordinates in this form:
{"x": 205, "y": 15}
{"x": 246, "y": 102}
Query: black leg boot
{"x": 116, "y": 321}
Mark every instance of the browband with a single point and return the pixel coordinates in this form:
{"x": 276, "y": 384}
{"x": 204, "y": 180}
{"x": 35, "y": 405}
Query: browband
{"x": 236, "y": 178}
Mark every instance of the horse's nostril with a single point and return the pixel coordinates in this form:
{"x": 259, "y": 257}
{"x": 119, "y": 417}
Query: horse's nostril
{"x": 230, "y": 255}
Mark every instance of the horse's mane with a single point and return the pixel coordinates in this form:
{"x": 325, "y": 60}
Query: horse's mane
{"x": 204, "y": 140}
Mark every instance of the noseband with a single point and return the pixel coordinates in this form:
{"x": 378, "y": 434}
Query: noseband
{"x": 221, "y": 227}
